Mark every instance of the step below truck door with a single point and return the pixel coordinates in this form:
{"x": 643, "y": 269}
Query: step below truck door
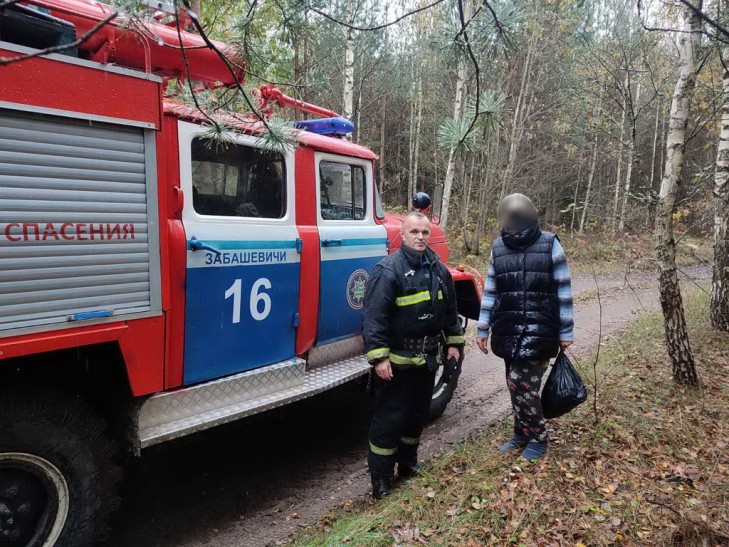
{"x": 243, "y": 267}
{"x": 351, "y": 243}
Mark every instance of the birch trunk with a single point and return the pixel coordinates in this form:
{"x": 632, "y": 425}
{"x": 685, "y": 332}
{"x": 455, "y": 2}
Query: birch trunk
{"x": 663, "y": 146}
{"x": 411, "y": 142}
{"x": 418, "y": 125}
{"x": 592, "y": 168}
{"x": 677, "y": 341}
{"x": 484, "y": 182}
{"x": 618, "y": 180}
{"x": 467, "y": 184}
{"x": 348, "y": 99}
{"x": 383, "y": 113}
{"x": 655, "y": 144}
{"x": 720, "y": 279}
{"x": 457, "y": 112}
{"x": 631, "y": 159}
{"x": 514, "y": 144}
{"x": 577, "y": 191}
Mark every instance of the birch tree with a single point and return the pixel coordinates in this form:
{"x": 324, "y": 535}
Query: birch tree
{"x": 677, "y": 341}
{"x": 458, "y": 103}
{"x": 720, "y": 278}
{"x": 593, "y": 164}
{"x": 348, "y": 99}
{"x": 634, "y": 109}
{"x": 621, "y": 146}
{"x": 516, "y": 126}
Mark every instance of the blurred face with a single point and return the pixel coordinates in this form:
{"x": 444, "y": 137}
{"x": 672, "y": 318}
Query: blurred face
{"x": 416, "y": 233}
{"x": 515, "y": 223}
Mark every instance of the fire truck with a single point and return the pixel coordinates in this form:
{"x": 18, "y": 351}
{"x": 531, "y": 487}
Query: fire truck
{"x": 153, "y": 284}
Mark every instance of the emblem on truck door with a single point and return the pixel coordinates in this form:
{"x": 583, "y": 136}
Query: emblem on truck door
{"x": 356, "y": 289}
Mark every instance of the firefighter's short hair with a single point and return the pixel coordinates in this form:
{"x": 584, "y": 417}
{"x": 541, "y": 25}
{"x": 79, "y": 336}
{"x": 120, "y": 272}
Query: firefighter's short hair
{"x": 414, "y": 214}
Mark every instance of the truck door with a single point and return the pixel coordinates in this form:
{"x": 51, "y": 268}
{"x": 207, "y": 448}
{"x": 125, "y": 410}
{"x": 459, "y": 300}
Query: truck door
{"x": 351, "y": 243}
{"x": 242, "y": 283}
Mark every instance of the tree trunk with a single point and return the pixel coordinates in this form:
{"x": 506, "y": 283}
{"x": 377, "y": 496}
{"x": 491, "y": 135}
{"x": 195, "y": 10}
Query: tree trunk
{"x": 720, "y": 279}
{"x": 631, "y": 158}
{"x": 593, "y": 166}
{"x": 663, "y": 146}
{"x": 618, "y": 180}
{"x": 418, "y": 125}
{"x": 655, "y": 144}
{"x": 677, "y": 341}
{"x": 649, "y": 190}
{"x": 577, "y": 191}
{"x": 348, "y": 99}
{"x": 383, "y": 113}
{"x": 467, "y": 184}
{"x": 484, "y": 188}
{"x": 411, "y": 140}
{"x": 457, "y": 111}
{"x": 514, "y": 144}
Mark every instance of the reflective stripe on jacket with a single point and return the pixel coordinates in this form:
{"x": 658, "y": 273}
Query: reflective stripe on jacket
{"x": 408, "y": 296}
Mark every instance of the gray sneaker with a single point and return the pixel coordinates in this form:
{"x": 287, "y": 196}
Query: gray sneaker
{"x": 534, "y": 450}
{"x": 515, "y": 443}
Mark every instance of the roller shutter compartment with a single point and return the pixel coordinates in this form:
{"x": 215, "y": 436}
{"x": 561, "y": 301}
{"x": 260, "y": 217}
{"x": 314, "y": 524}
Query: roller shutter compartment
{"x": 77, "y": 221}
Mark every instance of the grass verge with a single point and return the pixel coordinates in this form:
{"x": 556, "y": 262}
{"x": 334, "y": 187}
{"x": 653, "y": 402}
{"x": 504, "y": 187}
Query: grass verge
{"x": 652, "y": 469}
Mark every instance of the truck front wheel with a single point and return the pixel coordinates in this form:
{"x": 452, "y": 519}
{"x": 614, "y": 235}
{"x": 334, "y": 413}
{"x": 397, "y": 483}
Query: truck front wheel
{"x": 446, "y": 381}
{"x": 58, "y": 470}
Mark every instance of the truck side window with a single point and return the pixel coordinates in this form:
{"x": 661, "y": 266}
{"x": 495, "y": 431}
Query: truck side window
{"x": 379, "y": 210}
{"x": 343, "y": 189}
{"x": 234, "y": 180}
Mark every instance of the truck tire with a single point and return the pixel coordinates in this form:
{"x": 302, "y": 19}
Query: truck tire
{"x": 58, "y": 470}
{"x": 442, "y": 391}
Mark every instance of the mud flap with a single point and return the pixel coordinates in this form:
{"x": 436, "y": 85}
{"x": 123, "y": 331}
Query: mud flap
{"x": 450, "y": 366}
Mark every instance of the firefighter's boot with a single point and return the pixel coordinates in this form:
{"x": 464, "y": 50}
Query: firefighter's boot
{"x": 407, "y": 461}
{"x": 380, "y": 487}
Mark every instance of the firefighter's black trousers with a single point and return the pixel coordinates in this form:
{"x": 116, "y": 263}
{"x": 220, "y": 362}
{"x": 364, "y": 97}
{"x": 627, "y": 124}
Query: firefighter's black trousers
{"x": 401, "y": 412}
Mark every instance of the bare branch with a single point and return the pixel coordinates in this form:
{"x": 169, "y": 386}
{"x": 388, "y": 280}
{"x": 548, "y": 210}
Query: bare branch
{"x": 189, "y": 80}
{"x": 368, "y": 29}
{"x": 474, "y": 61}
{"x": 705, "y": 18}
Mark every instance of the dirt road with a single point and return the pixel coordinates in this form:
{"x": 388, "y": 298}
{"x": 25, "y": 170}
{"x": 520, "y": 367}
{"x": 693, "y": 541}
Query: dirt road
{"x": 253, "y": 483}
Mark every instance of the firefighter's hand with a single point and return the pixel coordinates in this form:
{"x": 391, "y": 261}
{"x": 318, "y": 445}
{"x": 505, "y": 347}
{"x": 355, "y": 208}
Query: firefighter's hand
{"x": 384, "y": 370}
{"x": 483, "y": 344}
{"x": 565, "y": 344}
{"x": 453, "y": 353}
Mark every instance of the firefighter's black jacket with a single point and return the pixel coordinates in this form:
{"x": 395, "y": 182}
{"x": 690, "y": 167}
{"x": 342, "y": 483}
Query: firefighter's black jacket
{"x": 408, "y": 296}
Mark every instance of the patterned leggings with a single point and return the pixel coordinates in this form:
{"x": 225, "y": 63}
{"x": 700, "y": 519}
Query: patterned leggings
{"x": 524, "y": 379}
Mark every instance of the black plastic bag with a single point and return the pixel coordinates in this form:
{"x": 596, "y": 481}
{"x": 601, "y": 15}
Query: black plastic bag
{"x": 564, "y": 389}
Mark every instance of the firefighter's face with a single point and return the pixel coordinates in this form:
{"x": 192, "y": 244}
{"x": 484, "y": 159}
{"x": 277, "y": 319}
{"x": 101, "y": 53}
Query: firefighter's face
{"x": 416, "y": 233}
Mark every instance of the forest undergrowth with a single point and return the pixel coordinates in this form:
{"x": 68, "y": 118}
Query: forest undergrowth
{"x": 646, "y": 463}
{"x": 601, "y": 252}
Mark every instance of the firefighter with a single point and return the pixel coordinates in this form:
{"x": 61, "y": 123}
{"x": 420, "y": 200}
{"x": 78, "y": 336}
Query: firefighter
{"x": 409, "y": 315}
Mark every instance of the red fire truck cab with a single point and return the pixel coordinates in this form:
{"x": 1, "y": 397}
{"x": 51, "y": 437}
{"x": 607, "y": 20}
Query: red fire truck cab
{"x": 155, "y": 282}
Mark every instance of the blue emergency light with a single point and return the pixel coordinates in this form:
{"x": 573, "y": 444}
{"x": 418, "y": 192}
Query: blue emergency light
{"x": 327, "y": 126}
